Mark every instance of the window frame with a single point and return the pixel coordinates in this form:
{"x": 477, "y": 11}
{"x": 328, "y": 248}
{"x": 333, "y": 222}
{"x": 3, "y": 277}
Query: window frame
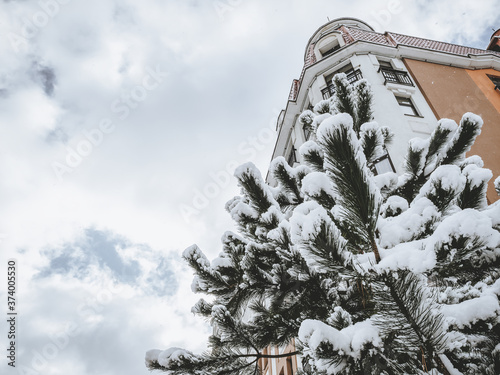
{"x": 407, "y": 102}
{"x": 495, "y": 79}
{"x": 392, "y": 75}
{"x": 353, "y": 75}
{"x": 382, "y": 158}
{"x": 307, "y": 131}
{"x": 292, "y": 157}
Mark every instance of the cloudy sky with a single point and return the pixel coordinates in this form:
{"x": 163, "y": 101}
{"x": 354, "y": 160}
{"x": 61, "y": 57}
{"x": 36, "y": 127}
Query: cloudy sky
{"x": 120, "y": 123}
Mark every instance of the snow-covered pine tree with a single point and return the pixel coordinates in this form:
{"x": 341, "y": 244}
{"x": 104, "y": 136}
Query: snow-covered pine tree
{"x": 372, "y": 274}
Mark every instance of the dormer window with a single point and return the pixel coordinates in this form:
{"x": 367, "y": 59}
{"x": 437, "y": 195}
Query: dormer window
{"x": 329, "y": 51}
{"x": 328, "y": 45}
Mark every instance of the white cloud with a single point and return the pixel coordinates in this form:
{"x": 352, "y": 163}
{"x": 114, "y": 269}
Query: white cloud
{"x": 226, "y": 76}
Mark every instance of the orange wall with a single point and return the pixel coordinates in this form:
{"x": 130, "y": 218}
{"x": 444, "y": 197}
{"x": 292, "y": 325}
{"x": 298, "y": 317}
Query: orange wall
{"x": 280, "y": 363}
{"x": 451, "y": 92}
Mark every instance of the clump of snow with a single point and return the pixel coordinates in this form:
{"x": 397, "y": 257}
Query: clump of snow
{"x": 447, "y": 124}
{"x": 406, "y": 226}
{"x": 319, "y": 119}
{"x": 348, "y": 341}
{"x": 219, "y": 312}
{"x": 446, "y": 177}
{"x": 272, "y": 213}
{"x": 307, "y": 117}
{"x": 420, "y": 147}
{"x": 316, "y": 182}
{"x": 322, "y": 107}
{"x": 279, "y": 162}
{"x": 328, "y": 125}
{"x": 386, "y": 180}
{"x": 372, "y": 129}
{"x": 474, "y": 159}
{"x": 472, "y": 117}
{"x": 309, "y": 147}
{"x": 152, "y": 356}
{"x": 497, "y": 185}
{"x": 197, "y": 285}
{"x": 229, "y": 237}
{"x": 194, "y": 253}
{"x": 249, "y": 170}
{"x": 394, "y": 206}
{"x": 277, "y": 233}
{"x": 241, "y": 210}
{"x": 476, "y": 175}
{"x": 167, "y": 358}
{"x": 446, "y": 362}
{"x": 468, "y": 223}
{"x": 468, "y": 312}
{"x": 221, "y": 261}
{"x": 408, "y": 256}
{"x": 493, "y": 212}
{"x": 199, "y": 306}
{"x": 306, "y": 223}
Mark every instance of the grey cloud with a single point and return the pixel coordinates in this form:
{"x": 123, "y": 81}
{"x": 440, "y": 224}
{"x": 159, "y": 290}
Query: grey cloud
{"x": 97, "y": 248}
{"x": 45, "y": 76}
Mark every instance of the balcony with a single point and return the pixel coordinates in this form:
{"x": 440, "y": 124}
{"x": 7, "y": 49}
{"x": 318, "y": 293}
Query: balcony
{"x": 395, "y": 76}
{"x": 352, "y": 76}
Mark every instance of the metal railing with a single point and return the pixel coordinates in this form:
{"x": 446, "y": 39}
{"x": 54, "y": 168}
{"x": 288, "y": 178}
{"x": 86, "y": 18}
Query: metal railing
{"x": 352, "y": 76}
{"x": 396, "y": 76}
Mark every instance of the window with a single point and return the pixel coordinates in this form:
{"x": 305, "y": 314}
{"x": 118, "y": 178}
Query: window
{"x": 329, "y": 51}
{"x": 495, "y": 80}
{"x": 407, "y": 106}
{"x": 292, "y": 158}
{"x": 352, "y": 76}
{"x": 385, "y": 64}
{"x": 307, "y": 132}
{"x": 383, "y": 165}
{"x": 328, "y": 44}
{"x": 392, "y": 75}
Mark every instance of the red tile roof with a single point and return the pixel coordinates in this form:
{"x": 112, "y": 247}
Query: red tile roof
{"x": 433, "y": 45}
{"x": 352, "y": 34}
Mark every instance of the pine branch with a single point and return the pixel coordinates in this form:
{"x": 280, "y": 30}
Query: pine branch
{"x": 364, "y": 98}
{"x": 312, "y": 155}
{"x": 344, "y": 102}
{"x": 359, "y": 199}
{"x": 284, "y": 175}
{"x": 408, "y": 313}
{"x": 469, "y": 129}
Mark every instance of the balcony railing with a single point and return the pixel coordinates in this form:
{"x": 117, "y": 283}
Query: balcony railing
{"x": 352, "y": 76}
{"x": 396, "y": 76}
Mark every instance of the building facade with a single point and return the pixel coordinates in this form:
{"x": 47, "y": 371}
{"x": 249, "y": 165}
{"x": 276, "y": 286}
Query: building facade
{"x": 415, "y": 82}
